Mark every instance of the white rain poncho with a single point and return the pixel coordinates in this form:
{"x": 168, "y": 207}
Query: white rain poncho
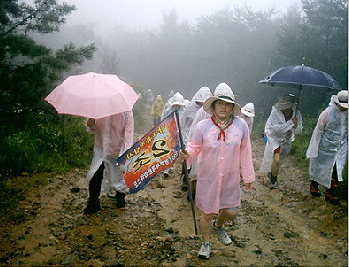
{"x": 249, "y": 121}
{"x": 200, "y": 115}
{"x": 176, "y": 100}
{"x": 328, "y": 145}
{"x": 113, "y": 135}
{"x": 188, "y": 115}
{"x": 280, "y": 133}
{"x": 247, "y": 113}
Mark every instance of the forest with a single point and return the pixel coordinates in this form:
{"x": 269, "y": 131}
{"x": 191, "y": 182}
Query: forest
{"x": 237, "y": 46}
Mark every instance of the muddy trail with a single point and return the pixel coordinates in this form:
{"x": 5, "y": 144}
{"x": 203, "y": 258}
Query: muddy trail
{"x": 282, "y": 227}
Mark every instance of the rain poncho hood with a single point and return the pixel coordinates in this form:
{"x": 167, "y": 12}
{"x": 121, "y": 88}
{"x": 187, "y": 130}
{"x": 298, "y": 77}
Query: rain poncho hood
{"x": 248, "y": 110}
{"x": 247, "y": 113}
{"x": 176, "y": 99}
{"x": 113, "y": 135}
{"x": 188, "y": 115}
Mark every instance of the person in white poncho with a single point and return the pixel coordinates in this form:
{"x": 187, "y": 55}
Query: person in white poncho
{"x": 188, "y": 116}
{"x": 328, "y": 147}
{"x": 178, "y": 102}
{"x": 280, "y": 129}
{"x": 247, "y": 113}
{"x": 113, "y": 135}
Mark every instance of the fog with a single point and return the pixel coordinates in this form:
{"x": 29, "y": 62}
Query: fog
{"x": 158, "y": 45}
{"x": 105, "y": 14}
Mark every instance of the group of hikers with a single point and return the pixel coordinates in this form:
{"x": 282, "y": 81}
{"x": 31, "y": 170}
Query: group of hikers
{"x": 216, "y": 132}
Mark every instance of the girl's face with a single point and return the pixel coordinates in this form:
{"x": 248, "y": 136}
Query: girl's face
{"x": 222, "y": 109}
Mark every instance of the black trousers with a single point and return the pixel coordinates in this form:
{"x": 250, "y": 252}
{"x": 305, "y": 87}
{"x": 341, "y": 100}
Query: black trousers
{"x": 95, "y": 184}
{"x": 334, "y": 178}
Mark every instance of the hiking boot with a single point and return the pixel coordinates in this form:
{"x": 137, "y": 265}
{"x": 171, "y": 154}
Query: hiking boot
{"x": 314, "y": 189}
{"x": 205, "y": 250}
{"x": 273, "y": 181}
{"x": 329, "y": 196}
{"x": 93, "y": 206}
{"x": 223, "y": 237}
{"x": 120, "y": 200}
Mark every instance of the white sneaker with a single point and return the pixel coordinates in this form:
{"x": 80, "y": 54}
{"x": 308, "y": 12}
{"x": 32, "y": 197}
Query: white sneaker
{"x": 205, "y": 250}
{"x": 222, "y": 234}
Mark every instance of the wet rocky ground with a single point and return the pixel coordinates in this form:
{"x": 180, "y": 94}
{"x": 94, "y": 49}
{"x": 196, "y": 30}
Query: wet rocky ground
{"x": 282, "y": 227}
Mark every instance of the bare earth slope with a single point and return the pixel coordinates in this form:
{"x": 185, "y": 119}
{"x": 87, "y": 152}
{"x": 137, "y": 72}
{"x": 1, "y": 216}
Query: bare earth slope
{"x": 283, "y": 227}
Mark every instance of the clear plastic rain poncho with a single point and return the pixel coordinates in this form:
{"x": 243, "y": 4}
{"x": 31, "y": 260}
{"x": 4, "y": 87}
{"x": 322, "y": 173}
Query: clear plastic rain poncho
{"x": 280, "y": 133}
{"x": 220, "y": 164}
{"x": 328, "y": 145}
{"x": 113, "y": 135}
{"x": 247, "y": 113}
{"x": 188, "y": 115}
{"x": 177, "y": 100}
{"x": 221, "y": 161}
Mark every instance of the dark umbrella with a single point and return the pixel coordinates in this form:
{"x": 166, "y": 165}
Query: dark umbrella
{"x": 301, "y": 77}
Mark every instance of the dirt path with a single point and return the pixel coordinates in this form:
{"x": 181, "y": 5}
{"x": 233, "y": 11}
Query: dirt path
{"x": 283, "y": 227}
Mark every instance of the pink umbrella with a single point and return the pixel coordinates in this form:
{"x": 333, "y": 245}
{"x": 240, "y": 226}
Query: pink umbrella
{"x": 92, "y": 95}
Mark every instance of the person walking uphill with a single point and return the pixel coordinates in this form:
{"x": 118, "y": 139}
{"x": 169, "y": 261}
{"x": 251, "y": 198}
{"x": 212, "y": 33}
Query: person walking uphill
{"x": 328, "y": 147}
{"x": 223, "y": 142}
{"x": 280, "y": 129}
{"x": 156, "y": 109}
{"x": 247, "y": 113}
{"x": 186, "y": 121}
{"x": 178, "y": 102}
{"x": 113, "y": 135}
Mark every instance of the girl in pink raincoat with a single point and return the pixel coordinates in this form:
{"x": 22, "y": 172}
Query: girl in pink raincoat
{"x": 223, "y": 142}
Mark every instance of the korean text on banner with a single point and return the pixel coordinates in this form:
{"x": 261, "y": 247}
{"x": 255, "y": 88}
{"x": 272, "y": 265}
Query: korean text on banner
{"x": 153, "y": 153}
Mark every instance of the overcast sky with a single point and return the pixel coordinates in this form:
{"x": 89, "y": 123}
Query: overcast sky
{"x": 149, "y": 13}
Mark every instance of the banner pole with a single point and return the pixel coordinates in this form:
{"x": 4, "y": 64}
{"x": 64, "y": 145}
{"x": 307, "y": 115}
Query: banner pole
{"x": 186, "y": 176}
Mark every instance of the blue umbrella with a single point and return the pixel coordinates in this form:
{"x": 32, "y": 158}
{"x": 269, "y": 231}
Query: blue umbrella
{"x": 301, "y": 77}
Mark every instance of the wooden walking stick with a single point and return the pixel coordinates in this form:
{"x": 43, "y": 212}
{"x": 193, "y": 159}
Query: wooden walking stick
{"x": 186, "y": 176}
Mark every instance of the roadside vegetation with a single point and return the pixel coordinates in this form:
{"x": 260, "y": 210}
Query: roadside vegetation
{"x": 237, "y": 46}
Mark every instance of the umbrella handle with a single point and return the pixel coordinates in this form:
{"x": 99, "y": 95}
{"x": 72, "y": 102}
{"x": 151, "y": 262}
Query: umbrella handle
{"x": 298, "y": 96}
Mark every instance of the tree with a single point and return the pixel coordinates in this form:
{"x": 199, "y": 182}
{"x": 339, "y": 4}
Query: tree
{"x": 329, "y": 21}
{"x": 321, "y": 37}
{"x": 28, "y": 70}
